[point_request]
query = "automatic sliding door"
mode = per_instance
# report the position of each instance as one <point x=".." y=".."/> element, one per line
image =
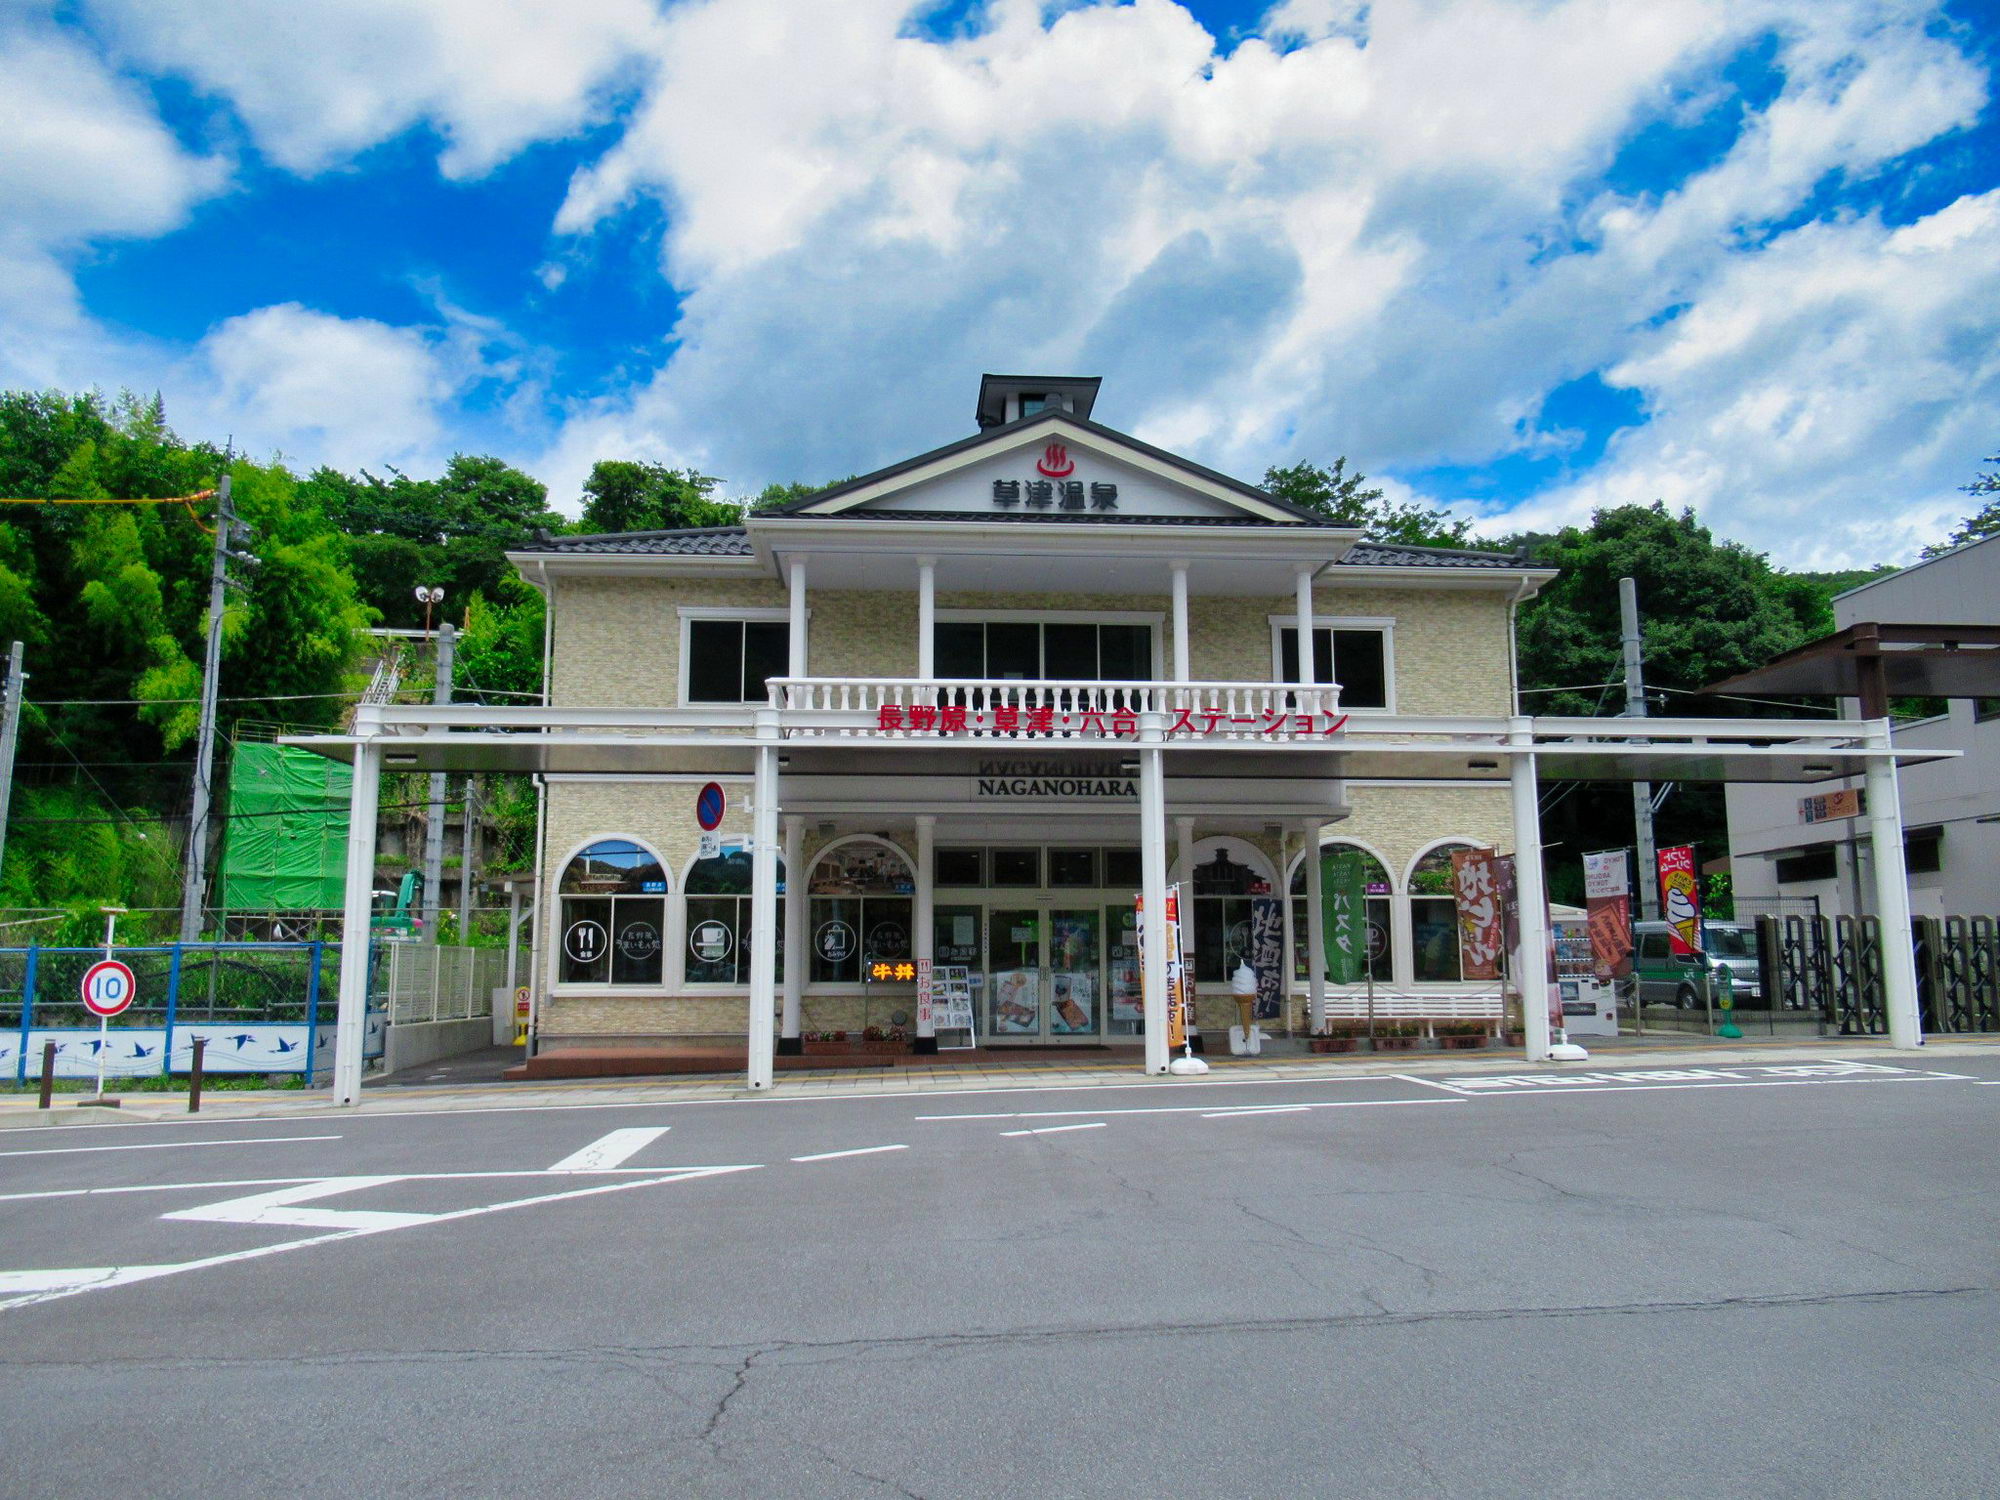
<point x="1014" y="957"/>
<point x="1075" y="1003"/>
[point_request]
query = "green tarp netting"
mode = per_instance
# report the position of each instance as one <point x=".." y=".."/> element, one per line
<point x="286" y="845"/>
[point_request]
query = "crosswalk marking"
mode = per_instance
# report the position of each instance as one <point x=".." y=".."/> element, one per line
<point x="611" y="1150"/>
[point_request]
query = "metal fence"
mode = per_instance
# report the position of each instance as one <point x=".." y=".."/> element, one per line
<point x="432" y="982"/>
<point x="257" y="1007"/>
<point x="1832" y="968"/>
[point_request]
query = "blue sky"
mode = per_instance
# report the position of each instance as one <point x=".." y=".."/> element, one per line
<point x="1522" y="259"/>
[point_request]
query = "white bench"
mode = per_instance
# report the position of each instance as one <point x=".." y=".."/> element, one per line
<point x="1483" y="1005"/>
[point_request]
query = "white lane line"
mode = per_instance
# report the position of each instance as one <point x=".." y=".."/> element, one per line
<point x="1990" y="1083"/>
<point x="1259" y="1109"/>
<point x="611" y="1150"/>
<point x="857" y="1151"/>
<point x="264" y="1140"/>
<point x="1577" y="1091"/>
<point x="1429" y="1083"/>
<point x="185" y="1187"/>
<point x="63" y="1283"/>
<point x="1193" y="1109"/>
<point x="1056" y="1129"/>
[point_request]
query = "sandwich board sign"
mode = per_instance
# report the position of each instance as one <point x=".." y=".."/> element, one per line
<point x="951" y="1004"/>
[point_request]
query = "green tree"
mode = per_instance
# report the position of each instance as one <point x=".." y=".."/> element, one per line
<point x="1348" y="498"/>
<point x="624" y="495"/>
<point x="1983" y="522"/>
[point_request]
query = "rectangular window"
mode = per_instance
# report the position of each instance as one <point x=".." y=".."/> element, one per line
<point x="718" y="940"/>
<point x="850" y="932"/>
<point x="1381" y="963"/>
<point x="959" y="867"/>
<point x="1048" y="651"/>
<point x="1984" y="709"/>
<point x="1434" y="939"/>
<point x="1923" y="851"/>
<point x="1016" y="867"/>
<point x="1808" y="865"/>
<point x="728" y="661"/>
<point x="1073" y="867"/>
<point x="1122" y="869"/>
<point x="1355" y="657"/>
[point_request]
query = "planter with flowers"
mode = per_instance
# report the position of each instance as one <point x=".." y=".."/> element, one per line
<point x="1397" y="1036"/>
<point x="1460" y="1035"/>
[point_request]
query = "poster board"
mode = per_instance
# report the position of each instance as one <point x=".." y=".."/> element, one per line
<point x="951" y="1005"/>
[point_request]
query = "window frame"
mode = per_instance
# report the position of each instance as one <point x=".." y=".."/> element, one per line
<point x="557" y="985"/>
<point x="809" y="982"/>
<point x="1153" y="620"/>
<point x="684" y="924"/>
<point x="1384" y="625"/>
<point x="1194" y="911"/>
<point x="741" y="613"/>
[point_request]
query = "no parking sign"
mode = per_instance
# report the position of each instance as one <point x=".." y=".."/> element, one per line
<point x="108" y="987"/>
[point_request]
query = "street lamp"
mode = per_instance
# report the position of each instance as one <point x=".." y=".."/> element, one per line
<point x="427" y="595"/>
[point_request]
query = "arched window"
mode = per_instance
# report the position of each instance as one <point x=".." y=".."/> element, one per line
<point x="614" y="902"/>
<point x="1381" y="924"/>
<point x="1434" y="917"/>
<point x="718" y="919"/>
<point x="1224" y="882"/>
<point x="860" y="890"/>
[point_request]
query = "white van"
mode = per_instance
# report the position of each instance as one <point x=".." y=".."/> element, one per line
<point x="1667" y="980"/>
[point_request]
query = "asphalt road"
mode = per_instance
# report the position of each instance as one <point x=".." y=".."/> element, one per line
<point x="1768" y="1280"/>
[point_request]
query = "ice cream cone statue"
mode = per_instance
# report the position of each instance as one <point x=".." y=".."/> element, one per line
<point x="1243" y="1039"/>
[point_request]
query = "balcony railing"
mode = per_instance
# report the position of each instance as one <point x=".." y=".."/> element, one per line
<point x="908" y="708"/>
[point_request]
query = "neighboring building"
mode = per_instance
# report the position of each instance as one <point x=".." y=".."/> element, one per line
<point x="1794" y="849"/>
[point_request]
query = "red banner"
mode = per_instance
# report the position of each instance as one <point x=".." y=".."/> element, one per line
<point x="1680" y="899"/>
<point x="1474" y="882"/>
<point x="1607" y="895"/>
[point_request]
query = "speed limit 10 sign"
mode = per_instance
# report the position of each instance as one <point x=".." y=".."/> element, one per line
<point x="108" y="987"/>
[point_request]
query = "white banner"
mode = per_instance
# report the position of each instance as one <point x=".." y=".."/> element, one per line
<point x="1606" y="874"/>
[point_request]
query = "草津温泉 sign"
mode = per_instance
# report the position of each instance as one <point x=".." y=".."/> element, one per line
<point x="1680" y="899"/>
<point x="1103" y="723"/>
<point x="1607" y="895"/>
<point x="1824" y="807"/>
<point x="1344" y="900"/>
<point x="1480" y="930"/>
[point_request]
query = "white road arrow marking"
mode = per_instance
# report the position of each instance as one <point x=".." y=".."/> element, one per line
<point x="276" y="1208"/>
<point x="262" y="1140"/>
<point x="611" y="1150"/>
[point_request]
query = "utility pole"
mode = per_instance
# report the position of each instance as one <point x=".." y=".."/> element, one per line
<point x="466" y="845"/>
<point x="228" y="531"/>
<point x="1646" y="876"/>
<point x="10" y="733"/>
<point x="434" y="828"/>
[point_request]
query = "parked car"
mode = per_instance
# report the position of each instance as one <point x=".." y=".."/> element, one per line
<point x="1665" y="979"/>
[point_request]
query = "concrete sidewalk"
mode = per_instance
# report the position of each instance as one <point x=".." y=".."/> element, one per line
<point x="19" y="1111"/>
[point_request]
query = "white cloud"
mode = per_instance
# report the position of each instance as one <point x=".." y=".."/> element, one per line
<point x="318" y="82"/>
<point x="347" y="391"/>
<point x="83" y="159"/>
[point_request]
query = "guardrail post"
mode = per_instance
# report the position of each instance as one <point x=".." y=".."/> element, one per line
<point x="48" y="1074"/>
<point x="194" y="1075"/>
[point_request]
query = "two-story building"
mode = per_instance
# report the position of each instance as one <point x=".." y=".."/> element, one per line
<point x="968" y="709"/>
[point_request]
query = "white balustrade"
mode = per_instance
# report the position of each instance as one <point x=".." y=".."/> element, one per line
<point x="909" y="708"/>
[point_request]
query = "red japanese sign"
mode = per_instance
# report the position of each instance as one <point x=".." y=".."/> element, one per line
<point x="1474" y="882"/>
<point x="1108" y="723"/>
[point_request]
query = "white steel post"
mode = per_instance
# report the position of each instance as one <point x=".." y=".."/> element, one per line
<point x="796" y="666"/>
<point x="1153" y="888"/>
<point x="1531" y="963"/>
<point x="1303" y="607"/>
<point x="351" y="1021"/>
<point x="1892" y="894"/>
<point x="1182" y="671"/>
<point x="926" y="618"/>
<point x="1316" y="930"/>
<point x="795" y="932"/>
<point x="763" y="908"/>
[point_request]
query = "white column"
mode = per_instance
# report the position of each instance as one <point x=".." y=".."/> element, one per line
<point x="921" y="909"/>
<point x="797" y="666"/>
<point x="795" y="931"/>
<point x="357" y="913"/>
<point x="1184" y="857"/>
<point x="1182" y="671"/>
<point x="1316" y="931"/>
<point x="927" y="618"/>
<point x="763" y="912"/>
<point x="1531" y="963"/>
<point x="1153" y="888"/>
<point x="1892" y="895"/>
<point x="1303" y="607"/>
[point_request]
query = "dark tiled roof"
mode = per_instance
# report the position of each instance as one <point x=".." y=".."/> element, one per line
<point x="1382" y="555"/>
<point x="704" y="541"/>
<point x="1076" y="518"/>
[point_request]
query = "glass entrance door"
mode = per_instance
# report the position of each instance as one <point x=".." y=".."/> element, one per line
<point x="1046" y="972"/>
<point x="1014" y="961"/>
<point x="1075" y="1003"/>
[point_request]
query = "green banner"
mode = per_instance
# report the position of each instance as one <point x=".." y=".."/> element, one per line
<point x="1344" y="896"/>
<point x="286" y="845"/>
